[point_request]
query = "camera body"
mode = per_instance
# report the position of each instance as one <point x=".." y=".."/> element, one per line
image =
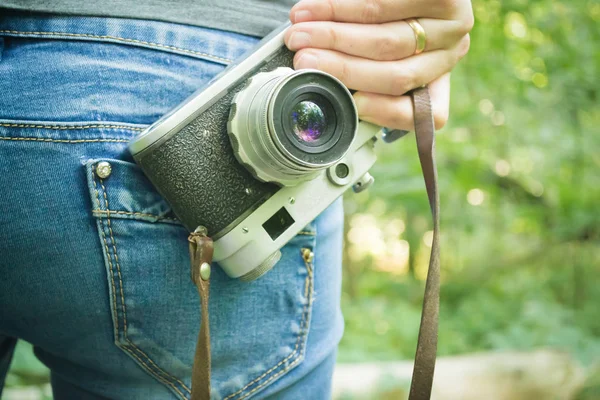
<point x="257" y="154"/>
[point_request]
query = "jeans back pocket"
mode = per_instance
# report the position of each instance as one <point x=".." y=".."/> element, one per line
<point x="259" y="329"/>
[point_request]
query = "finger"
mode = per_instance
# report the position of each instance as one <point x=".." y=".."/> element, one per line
<point x="396" y="112"/>
<point x="383" y="42"/>
<point x="373" y="11"/>
<point x="384" y="77"/>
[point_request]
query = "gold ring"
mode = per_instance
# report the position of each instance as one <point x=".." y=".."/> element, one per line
<point x="420" y="35"/>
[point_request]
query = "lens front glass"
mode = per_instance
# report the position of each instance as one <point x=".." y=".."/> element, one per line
<point x="312" y="119"/>
<point x="308" y="121"/>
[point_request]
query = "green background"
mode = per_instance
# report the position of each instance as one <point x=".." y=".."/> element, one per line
<point x="519" y="168"/>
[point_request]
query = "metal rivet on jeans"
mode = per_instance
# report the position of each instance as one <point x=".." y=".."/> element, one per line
<point x="103" y="169"/>
<point x="308" y="255"/>
<point x="205" y="271"/>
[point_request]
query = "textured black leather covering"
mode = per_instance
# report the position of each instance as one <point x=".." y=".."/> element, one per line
<point x="195" y="169"/>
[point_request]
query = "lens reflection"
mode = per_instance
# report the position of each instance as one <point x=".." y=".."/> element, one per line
<point x="308" y="121"/>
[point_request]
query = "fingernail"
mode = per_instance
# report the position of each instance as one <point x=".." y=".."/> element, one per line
<point x="299" y="40"/>
<point x="301" y="16"/>
<point x="307" y="60"/>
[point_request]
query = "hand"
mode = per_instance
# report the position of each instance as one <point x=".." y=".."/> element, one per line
<point x="370" y="48"/>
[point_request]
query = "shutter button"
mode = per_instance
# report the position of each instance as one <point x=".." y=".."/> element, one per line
<point x="103" y="169"/>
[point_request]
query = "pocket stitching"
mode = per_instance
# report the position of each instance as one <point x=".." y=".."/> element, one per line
<point x="131" y="344"/>
<point x="112" y="241"/>
<point x="125" y="347"/>
<point x="106" y="213"/>
<point x="306" y="233"/>
<point x="158" y="217"/>
<point x="109" y="259"/>
<point x="129" y="347"/>
<point x="309" y="289"/>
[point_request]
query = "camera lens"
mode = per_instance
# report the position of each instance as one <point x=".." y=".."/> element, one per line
<point x="286" y="126"/>
<point x="308" y="121"/>
<point x="312" y="119"/>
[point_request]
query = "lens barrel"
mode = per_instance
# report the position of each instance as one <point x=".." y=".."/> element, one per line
<point x="286" y="126"/>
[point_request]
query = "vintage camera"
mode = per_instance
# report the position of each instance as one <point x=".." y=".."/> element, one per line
<point x="257" y="154"/>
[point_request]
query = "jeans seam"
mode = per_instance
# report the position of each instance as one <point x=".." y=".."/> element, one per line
<point x="119" y="39"/>
<point x="71" y="127"/>
<point x="298" y="355"/>
<point x="109" y="259"/>
<point x="159" y="370"/>
<point x="130" y="347"/>
<point x="283" y="371"/>
<point x="32" y="139"/>
<point x="113" y="243"/>
<point x="306" y="233"/>
<point x="158" y="217"/>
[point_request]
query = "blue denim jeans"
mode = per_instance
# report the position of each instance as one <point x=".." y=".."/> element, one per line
<point x="95" y="272"/>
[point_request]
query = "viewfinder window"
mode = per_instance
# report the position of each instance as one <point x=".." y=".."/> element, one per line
<point x="278" y="223"/>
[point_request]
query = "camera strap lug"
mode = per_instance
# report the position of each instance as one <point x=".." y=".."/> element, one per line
<point x="201" y="254"/>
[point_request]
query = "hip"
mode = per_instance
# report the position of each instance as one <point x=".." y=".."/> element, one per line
<point x="75" y="91"/>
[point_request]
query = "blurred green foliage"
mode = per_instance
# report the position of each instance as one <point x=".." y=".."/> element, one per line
<point x="28" y="377"/>
<point x="519" y="168"/>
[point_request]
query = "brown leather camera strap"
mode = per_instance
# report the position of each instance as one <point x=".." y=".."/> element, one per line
<point x="422" y="379"/>
<point x="201" y="252"/>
